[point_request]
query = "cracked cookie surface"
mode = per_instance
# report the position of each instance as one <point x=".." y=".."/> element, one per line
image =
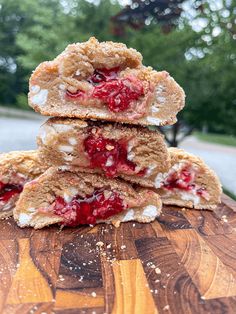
<point x="105" y="81"/>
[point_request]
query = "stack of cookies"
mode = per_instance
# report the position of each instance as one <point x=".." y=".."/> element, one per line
<point x="103" y="162"/>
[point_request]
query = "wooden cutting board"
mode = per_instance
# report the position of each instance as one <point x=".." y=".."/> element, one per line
<point x="183" y="263"/>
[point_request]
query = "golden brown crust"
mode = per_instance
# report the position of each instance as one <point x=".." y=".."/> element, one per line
<point x="205" y="178"/>
<point x="6" y="214"/>
<point x="70" y="69"/>
<point x="41" y="193"/>
<point x="24" y="162"/>
<point x="18" y="165"/>
<point x="61" y="142"/>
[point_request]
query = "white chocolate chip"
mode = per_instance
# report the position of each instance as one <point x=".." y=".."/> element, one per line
<point x="68" y="158"/>
<point x="150" y="170"/>
<point x="159" y="180"/>
<point x="150" y="211"/>
<point x="62" y="87"/>
<point x="35" y="89"/>
<point x="31" y="210"/>
<point x="154" y="121"/>
<point x="66" y="148"/>
<point x="130" y="154"/>
<point x="68" y="198"/>
<point x="187" y="196"/>
<point x="24" y="219"/>
<point x="73" y="190"/>
<point x="161" y="99"/>
<point x="155" y="109"/>
<point x="62" y="127"/>
<point x="40" y="98"/>
<point x="72" y="140"/>
<point x="159" y="89"/>
<point x="46" y="133"/>
<point x="129" y="215"/>
<point x="109" y="161"/>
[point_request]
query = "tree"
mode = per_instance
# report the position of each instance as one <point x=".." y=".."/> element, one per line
<point x="203" y="62"/>
<point x="212" y="71"/>
<point x="11" y="72"/>
<point x="56" y="26"/>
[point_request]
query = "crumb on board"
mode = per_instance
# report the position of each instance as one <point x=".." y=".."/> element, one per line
<point x="224" y="218"/>
<point x="100" y="243"/>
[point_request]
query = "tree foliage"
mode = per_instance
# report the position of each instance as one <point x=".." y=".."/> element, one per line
<point x="202" y="60"/>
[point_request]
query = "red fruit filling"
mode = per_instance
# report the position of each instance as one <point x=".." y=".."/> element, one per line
<point x="7" y="191"/>
<point x="103" y="75"/>
<point x="184" y="180"/>
<point x="116" y="92"/>
<point x="109" y="155"/>
<point x="83" y="211"/>
<point x="77" y="94"/>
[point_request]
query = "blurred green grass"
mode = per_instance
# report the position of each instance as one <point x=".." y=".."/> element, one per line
<point x="230" y="194"/>
<point x="228" y="140"/>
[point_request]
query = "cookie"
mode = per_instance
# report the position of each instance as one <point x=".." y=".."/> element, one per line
<point x="16" y="168"/>
<point x="105" y="81"/>
<point x="189" y="182"/>
<point x="133" y="153"/>
<point x="72" y="198"/>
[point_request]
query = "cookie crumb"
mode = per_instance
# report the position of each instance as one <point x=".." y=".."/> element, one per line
<point x="61" y="278"/>
<point x="100" y="243"/>
<point x="224" y="218"/>
<point x="157" y="270"/>
<point x="109" y="147"/>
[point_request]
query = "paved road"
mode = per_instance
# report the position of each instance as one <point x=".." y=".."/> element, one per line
<point x="19" y="134"/>
<point x="220" y="158"/>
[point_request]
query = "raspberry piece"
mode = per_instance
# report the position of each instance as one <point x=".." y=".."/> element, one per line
<point x="77" y="94"/>
<point x="103" y="75"/>
<point x="181" y="180"/>
<point x="184" y="180"/>
<point x="118" y="94"/>
<point x="83" y="211"/>
<point x="7" y="191"/>
<point x="109" y="155"/>
<point x="203" y="193"/>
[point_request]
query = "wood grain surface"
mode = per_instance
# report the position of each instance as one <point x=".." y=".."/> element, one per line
<point x="184" y="262"/>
